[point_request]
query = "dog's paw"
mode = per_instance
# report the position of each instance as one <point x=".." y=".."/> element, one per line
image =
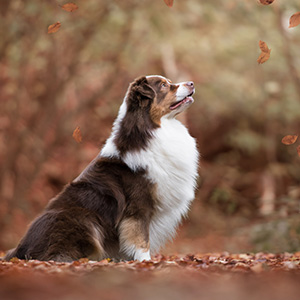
<point x="141" y="255"/>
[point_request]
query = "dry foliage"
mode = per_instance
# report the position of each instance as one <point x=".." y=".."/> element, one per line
<point x="294" y="20"/>
<point x="265" y="52"/>
<point x="69" y="7"/>
<point x="77" y="135"/>
<point x="266" y="2"/>
<point x="54" y="27"/>
<point x="289" y="139"/>
<point x="218" y="262"/>
<point x="169" y="2"/>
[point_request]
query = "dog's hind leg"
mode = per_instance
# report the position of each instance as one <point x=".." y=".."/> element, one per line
<point x="72" y="243"/>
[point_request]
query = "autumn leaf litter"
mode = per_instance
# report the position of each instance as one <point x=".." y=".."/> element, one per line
<point x="212" y="263"/>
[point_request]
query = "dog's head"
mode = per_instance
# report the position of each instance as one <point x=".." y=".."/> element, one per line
<point x="159" y="96"/>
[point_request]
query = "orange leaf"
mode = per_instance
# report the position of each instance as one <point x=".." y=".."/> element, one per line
<point x="298" y="150"/>
<point x="169" y="2"/>
<point x="14" y="260"/>
<point x="294" y="20"/>
<point x="54" y="27"/>
<point x="265" y="52"/>
<point x="289" y="139"/>
<point x="70" y="7"/>
<point x="263" y="46"/>
<point x="266" y="2"/>
<point x="77" y="135"/>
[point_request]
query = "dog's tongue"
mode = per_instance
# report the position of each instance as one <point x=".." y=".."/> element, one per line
<point x="177" y="104"/>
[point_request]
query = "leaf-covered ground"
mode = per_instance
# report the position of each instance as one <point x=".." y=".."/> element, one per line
<point x="207" y="276"/>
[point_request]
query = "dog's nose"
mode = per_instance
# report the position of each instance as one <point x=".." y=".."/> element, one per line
<point x="190" y="84"/>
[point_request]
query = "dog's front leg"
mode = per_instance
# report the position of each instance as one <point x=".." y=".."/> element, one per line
<point x="134" y="238"/>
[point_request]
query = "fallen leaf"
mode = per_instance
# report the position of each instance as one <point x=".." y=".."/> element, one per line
<point x="298" y="150"/>
<point x="241" y="266"/>
<point x="294" y="20"/>
<point x="290" y="265"/>
<point x="266" y="2"/>
<point x="289" y="139"/>
<point x="14" y="260"/>
<point x="169" y="2"/>
<point x="76" y="263"/>
<point x="77" y="135"/>
<point x="265" y="52"/>
<point x="105" y="261"/>
<point x="54" y="27"/>
<point x="70" y="7"/>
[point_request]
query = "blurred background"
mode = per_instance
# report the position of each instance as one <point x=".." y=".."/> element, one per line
<point x="248" y="197"/>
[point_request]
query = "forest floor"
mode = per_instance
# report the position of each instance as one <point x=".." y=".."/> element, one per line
<point x="200" y="276"/>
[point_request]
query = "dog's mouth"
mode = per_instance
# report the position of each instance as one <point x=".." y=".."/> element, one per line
<point x="187" y="100"/>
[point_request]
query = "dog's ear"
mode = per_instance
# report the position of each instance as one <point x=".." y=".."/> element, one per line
<point x="140" y="92"/>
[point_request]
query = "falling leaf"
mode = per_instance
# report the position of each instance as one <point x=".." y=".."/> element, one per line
<point x="265" y="52"/>
<point x="263" y="57"/>
<point x="70" y="7"/>
<point x="263" y="46"/>
<point x="294" y="20"/>
<point x="266" y="2"/>
<point x="169" y="2"/>
<point x="298" y="150"/>
<point x="77" y="135"/>
<point x="289" y="139"/>
<point x="54" y="27"/>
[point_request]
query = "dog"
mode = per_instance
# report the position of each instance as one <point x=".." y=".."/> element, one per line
<point x="130" y="199"/>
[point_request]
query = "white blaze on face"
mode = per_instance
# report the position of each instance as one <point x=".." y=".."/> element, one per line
<point x="159" y="76"/>
<point x="184" y="98"/>
<point x="183" y="91"/>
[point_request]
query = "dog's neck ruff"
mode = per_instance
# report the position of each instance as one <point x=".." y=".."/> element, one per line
<point x="171" y="162"/>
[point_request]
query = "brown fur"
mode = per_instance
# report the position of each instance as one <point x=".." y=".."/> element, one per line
<point x="165" y="96"/>
<point x="135" y="231"/>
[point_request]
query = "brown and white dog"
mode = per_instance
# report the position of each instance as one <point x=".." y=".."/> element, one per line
<point x="130" y="199"/>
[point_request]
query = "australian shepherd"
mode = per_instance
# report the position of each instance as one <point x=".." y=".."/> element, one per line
<point x="130" y="199"/>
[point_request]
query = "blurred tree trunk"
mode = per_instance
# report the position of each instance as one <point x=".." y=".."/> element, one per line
<point x="287" y="49"/>
<point x="268" y="196"/>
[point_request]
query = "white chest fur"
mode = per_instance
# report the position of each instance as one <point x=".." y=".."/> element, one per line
<point x="171" y="161"/>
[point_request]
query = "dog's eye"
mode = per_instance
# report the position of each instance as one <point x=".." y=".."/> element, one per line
<point x="164" y="85"/>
